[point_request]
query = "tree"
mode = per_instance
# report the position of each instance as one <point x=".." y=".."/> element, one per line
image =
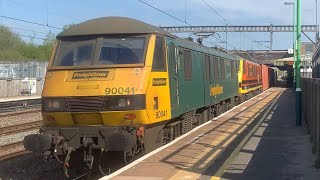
<point x="47" y="46"/>
<point x="8" y="39"/>
<point x="10" y="44"/>
<point x="13" y="48"/>
<point x="67" y="26"/>
<point x="49" y="39"/>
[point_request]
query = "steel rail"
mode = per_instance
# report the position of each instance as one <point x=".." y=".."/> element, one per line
<point x="12" y="150"/>
<point x="3" y="115"/>
<point x="18" y="128"/>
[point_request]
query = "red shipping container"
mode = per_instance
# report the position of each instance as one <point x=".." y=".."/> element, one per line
<point x="265" y="77"/>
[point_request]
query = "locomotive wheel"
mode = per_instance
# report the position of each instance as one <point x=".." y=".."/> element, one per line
<point x="218" y="110"/>
<point x="205" y="115"/>
<point x="224" y="107"/>
<point x="211" y="112"/>
<point x="232" y="102"/>
<point x="242" y="98"/>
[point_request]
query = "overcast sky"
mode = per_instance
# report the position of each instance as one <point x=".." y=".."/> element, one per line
<point x="244" y="12"/>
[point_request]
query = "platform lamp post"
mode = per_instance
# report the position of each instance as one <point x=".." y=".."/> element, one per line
<point x="294" y="38"/>
<point x="297" y="66"/>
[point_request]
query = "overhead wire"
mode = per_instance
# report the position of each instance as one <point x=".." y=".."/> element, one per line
<point x="43" y="10"/>
<point x="215" y="11"/>
<point x="22" y="35"/>
<point x="31" y="22"/>
<point x="164" y="12"/>
<point x="46" y="10"/>
<point x="174" y="17"/>
<point x="22" y="29"/>
<point x="228" y="22"/>
<point x="34" y="37"/>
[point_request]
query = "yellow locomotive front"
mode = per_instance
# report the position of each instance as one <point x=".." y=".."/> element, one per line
<point x="95" y="81"/>
<point x="99" y="91"/>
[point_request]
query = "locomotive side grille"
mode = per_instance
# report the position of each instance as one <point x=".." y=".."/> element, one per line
<point x="87" y="104"/>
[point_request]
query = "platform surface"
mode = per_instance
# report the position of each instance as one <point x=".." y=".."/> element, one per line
<point x="220" y="149"/>
<point x="278" y="149"/>
<point x="17" y="98"/>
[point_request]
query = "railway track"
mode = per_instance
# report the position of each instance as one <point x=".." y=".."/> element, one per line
<point x="16" y="148"/>
<point x="11" y="106"/>
<point x="11" y="150"/>
<point x="17" y="128"/>
<point x="3" y="115"/>
<point x="15" y="110"/>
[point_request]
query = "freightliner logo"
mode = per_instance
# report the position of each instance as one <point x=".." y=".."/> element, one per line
<point x="159" y="81"/>
<point x="90" y="74"/>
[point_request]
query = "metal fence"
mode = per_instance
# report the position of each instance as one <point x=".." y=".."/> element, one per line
<point x="35" y="69"/>
<point x="22" y="78"/>
<point x="311" y="112"/>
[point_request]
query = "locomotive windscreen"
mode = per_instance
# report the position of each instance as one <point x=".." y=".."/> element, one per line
<point x="111" y="51"/>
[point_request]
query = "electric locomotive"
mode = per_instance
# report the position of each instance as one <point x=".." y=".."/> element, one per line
<point x="250" y="79"/>
<point x="119" y="84"/>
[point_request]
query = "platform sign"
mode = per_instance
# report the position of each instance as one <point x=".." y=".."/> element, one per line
<point x="290" y="51"/>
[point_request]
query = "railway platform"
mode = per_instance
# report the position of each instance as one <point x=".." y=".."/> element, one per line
<point x="255" y="140"/>
<point x="10" y="104"/>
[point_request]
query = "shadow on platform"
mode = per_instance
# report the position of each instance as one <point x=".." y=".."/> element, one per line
<point x="277" y="150"/>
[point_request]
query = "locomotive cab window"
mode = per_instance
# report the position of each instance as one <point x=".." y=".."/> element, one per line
<point x="75" y="53"/>
<point x="159" y="63"/>
<point x="111" y="50"/>
<point x="126" y="50"/>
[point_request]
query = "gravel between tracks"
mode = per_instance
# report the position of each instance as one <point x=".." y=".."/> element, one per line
<point x="15" y="120"/>
<point x="30" y="166"/>
<point x="15" y="137"/>
<point x="19" y="119"/>
<point x="27" y="166"/>
<point x="20" y="111"/>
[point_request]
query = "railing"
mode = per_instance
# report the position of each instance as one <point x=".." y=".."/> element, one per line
<point x="30" y="69"/>
<point x="311" y="112"/>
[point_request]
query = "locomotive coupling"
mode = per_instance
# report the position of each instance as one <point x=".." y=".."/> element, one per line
<point x="37" y="142"/>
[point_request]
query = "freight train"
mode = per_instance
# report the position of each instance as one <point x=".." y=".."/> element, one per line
<point x="119" y="84"/>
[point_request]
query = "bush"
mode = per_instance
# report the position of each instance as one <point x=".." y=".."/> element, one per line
<point x="13" y="48"/>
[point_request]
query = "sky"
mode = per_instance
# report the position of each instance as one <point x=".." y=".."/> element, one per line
<point x="58" y="13"/>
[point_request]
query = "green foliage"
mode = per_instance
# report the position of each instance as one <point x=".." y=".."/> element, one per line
<point x="13" y="48"/>
<point x="67" y="26"/>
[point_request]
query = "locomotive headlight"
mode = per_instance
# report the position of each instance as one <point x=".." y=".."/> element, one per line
<point x="122" y="103"/>
<point x="53" y="104"/>
<point x="128" y="102"/>
<point x="125" y="102"/>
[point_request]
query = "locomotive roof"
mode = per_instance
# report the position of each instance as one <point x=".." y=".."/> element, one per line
<point x="124" y="25"/>
<point x="112" y="25"/>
